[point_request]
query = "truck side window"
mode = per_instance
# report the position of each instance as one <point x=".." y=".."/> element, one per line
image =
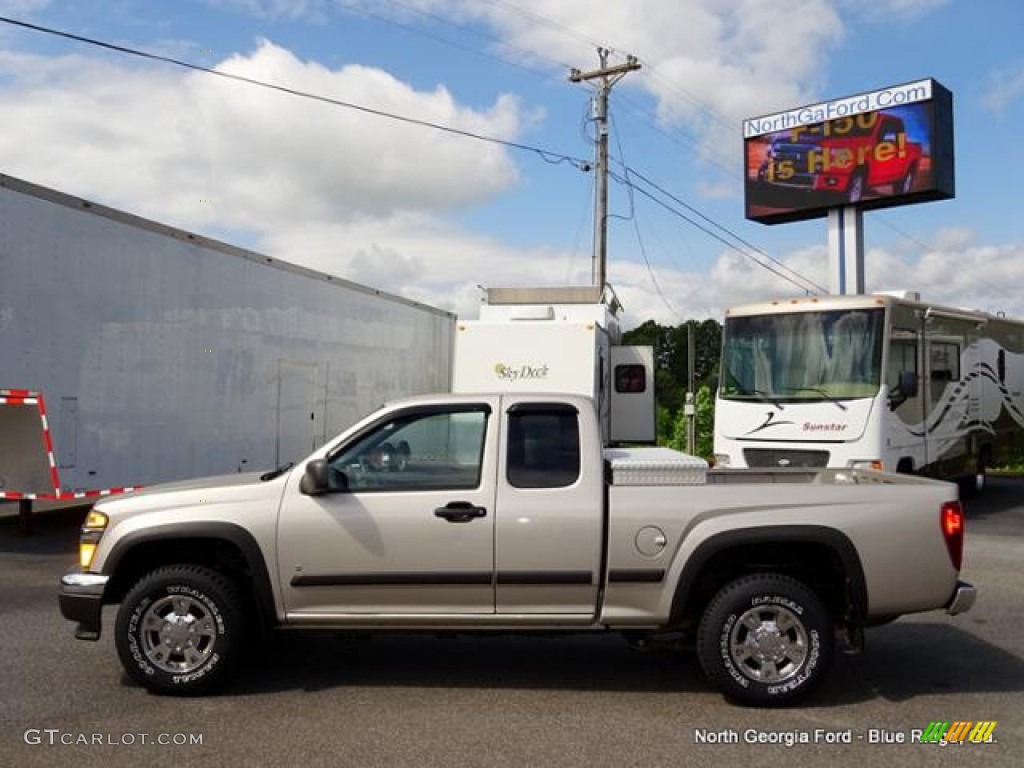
<point x="416" y="451"/>
<point x="543" y="447"/>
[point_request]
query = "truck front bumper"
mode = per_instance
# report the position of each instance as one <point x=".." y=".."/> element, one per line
<point x="962" y="600"/>
<point x="81" y="600"/>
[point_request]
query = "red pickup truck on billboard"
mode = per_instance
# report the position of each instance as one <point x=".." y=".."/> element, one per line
<point x="850" y="157"/>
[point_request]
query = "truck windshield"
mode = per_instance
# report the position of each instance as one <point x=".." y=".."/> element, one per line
<point x="802" y="356"/>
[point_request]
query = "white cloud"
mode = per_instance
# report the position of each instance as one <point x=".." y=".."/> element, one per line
<point x="309" y="10"/>
<point x="423" y="258"/>
<point x="19" y="9"/>
<point x="889" y="11"/>
<point x="195" y="150"/>
<point x="707" y="64"/>
<point x="376" y="201"/>
<point x="1004" y="87"/>
<point x="955" y="269"/>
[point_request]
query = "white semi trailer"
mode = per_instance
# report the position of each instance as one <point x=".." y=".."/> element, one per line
<point x="164" y="355"/>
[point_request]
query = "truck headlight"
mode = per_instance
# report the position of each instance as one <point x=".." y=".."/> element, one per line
<point x="721" y="460"/>
<point x="92" y="530"/>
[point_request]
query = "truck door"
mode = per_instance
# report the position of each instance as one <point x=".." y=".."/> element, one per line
<point x="548" y="535"/>
<point x="410" y="529"/>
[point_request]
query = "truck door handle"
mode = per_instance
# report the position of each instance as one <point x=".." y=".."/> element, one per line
<point x="460" y="511"/>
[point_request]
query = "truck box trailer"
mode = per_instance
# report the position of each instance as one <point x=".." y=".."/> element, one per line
<point x="163" y="354"/>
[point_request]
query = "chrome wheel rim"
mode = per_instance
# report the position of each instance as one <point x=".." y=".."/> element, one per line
<point x="769" y="644"/>
<point x="178" y="634"/>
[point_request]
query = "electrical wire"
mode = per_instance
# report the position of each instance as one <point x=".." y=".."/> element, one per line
<point x="814" y="287"/>
<point x="359" y="10"/>
<point x="626" y="180"/>
<point x="548" y="156"/>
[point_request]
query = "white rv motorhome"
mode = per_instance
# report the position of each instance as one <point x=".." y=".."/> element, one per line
<point x="559" y="340"/>
<point x="885" y="381"/>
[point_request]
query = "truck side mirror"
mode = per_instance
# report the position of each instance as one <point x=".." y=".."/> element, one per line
<point x="314" y="480"/>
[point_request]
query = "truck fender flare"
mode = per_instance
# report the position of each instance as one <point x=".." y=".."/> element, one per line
<point x="230" y="532"/>
<point x="835" y="540"/>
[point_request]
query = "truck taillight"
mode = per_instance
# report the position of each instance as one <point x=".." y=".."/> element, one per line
<point x="953" y="531"/>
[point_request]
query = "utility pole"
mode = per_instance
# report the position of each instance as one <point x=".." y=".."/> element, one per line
<point x="689" y="405"/>
<point x="606" y="77"/>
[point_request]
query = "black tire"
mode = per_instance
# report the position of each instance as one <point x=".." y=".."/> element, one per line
<point x="180" y="630"/>
<point x="972" y="486"/>
<point x="749" y="657"/>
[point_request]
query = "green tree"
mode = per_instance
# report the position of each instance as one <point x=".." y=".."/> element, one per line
<point x="705" y="404"/>
<point x="671" y="365"/>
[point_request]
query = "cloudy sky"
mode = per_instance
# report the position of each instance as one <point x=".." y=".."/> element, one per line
<point x="431" y="214"/>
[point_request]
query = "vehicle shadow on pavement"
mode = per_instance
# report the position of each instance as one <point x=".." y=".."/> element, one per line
<point x="599" y="662"/>
<point x="52" y="532"/>
<point x="903" y="661"/>
<point x="908" y="659"/>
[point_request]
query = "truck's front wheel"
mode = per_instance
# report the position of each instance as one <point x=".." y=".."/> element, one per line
<point x="179" y="629"/>
<point x="765" y="640"/>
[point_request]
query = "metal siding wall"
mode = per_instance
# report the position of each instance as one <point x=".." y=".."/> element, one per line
<point x="173" y="348"/>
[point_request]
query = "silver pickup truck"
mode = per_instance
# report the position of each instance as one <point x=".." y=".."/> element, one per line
<point x="477" y="513"/>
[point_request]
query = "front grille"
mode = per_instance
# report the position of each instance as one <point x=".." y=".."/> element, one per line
<point x="772" y="457"/>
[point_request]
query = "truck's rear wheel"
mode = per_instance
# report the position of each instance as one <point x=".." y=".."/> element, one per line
<point x="179" y="629"/>
<point x="765" y="640"/>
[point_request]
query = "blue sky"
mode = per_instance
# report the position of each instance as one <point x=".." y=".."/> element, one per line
<point x="431" y="216"/>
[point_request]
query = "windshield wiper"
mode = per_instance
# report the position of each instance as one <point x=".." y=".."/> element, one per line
<point x="824" y="395"/>
<point x="743" y="392"/>
<point x="276" y="472"/>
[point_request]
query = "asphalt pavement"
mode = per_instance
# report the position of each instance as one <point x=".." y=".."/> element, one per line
<point x="560" y="701"/>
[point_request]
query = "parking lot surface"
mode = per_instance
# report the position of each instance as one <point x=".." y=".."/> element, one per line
<point x="560" y="701"/>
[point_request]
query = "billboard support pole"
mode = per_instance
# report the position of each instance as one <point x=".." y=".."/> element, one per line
<point x="846" y="250"/>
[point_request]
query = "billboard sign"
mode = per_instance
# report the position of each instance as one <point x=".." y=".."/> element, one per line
<point x="873" y="150"/>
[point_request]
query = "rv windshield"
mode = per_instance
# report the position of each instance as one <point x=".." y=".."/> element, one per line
<point x="803" y="356"/>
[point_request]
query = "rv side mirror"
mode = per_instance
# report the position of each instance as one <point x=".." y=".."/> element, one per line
<point x="905" y="388"/>
<point x="908" y="384"/>
<point x="314" y="479"/>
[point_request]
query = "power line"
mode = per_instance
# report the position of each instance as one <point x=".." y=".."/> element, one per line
<point x="639" y="237"/>
<point x="364" y="12"/>
<point x="714" y="235"/>
<point x="543" y="21"/>
<point x="705" y="108"/>
<point x="816" y="288"/>
<point x="546" y="155"/>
